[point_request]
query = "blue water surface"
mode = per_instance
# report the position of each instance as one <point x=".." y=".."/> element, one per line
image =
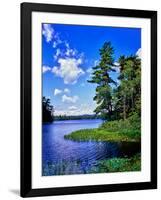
<point x="61" y="156"/>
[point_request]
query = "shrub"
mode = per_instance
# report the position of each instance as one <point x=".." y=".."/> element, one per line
<point x="131" y="126"/>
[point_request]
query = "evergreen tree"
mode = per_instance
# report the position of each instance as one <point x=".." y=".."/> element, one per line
<point x="128" y="93"/>
<point x="102" y="78"/>
<point x="48" y="110"/>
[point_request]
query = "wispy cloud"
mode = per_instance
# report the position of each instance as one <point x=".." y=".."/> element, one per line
<point x="89" y="70"/>
<point x="57" y="40"/>
<point x="66" y="90"/>
<point x="48" y="32"/>
<point x="57" y="92"/>
<point x="96" y="62"/>
<point x="50" y="35"/>
<point x="69" y="99"/>
<point x="66" y="51"/>
<point x="69" y="51"/>
<point x="57" y="54"/>
<point x="69" y="69"/>
<point x="72" y="108"/>
<point x="68" y="59"/>
<point x="46" y="69"/>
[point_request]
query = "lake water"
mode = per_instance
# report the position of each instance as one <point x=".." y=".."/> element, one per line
<point x="61" y="156"/>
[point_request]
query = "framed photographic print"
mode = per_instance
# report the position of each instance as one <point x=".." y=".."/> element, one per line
<point x="88" y="99"/>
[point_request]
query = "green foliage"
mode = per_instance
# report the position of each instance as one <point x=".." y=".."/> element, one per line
<point x="117" y="101"/>
<point x="99" y="135"/>
<point x="128" y="93"/>
<point x="101" y="77"/>
<point x="130" y="127"/>
<point x="117" y="130"/>
<point x="118" y="165"/>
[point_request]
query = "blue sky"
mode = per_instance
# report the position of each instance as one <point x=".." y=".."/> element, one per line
<point x="68" y="54"/>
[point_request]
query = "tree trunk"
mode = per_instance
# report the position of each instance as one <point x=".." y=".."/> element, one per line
<point x="124" y="107"/>
<point x="132" y="99"/>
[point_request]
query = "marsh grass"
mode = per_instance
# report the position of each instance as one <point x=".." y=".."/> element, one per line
<point x="61" y="168"/>
<point x="118" y="165"/>
<point x="115" y="131"/>
<point x="99" y="135"/>
<point x="102" y="166"/>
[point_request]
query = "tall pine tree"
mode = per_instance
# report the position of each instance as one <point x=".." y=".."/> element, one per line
<point x="128" y="93"/>
<point x="101" y="77"/>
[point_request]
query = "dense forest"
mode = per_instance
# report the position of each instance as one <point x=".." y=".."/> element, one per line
<point x="121" y="98"/>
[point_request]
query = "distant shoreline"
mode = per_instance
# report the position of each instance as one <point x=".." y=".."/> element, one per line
<point x="76" y="117"/>
<point x="56" y="120"/>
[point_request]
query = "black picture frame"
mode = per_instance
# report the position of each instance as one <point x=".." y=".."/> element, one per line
<point x="26" y="104"/>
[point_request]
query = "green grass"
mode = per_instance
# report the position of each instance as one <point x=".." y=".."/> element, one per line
<point x="130" y="127"/>
<point x="115" y="131"/>
<point x="118" y="165"/>
<point x="99" y="135"/>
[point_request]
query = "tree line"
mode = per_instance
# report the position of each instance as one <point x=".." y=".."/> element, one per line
<point x="76" y="117"/>
<point x="47" y="110"/>
<point x="120" y="98"/>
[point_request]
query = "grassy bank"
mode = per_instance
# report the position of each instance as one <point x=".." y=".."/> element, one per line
<point x="122" y="130"/>
<point x="118" y="165"/>
<point x="99" y="135"/>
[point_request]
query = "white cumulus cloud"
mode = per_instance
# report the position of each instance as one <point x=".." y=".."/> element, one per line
<point x="57" y="91"/>
<point x="69" y="99"/>
<point x="66" y="90"/>
<point x="48" y="32"/>
<point x="46" y="68"/>
<point x="68" y="69"/>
